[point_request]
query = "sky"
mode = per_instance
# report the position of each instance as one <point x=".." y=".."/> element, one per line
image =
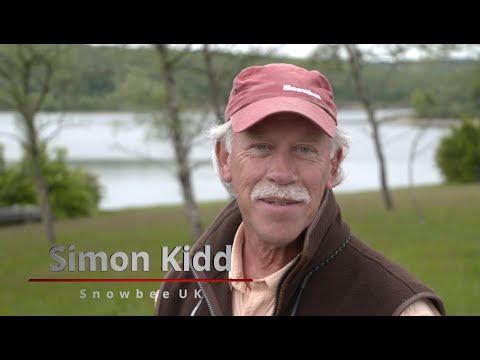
<point x="293" y="50"/>
<point x="304" y="50"/>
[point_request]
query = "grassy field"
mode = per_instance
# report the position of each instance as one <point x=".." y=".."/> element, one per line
<point x="443" y="251"/>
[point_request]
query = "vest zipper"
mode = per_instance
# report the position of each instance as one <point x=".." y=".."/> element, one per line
<point x="307" y="277"/>
<point x="204" y="293"/>
<point x="277" y="287"/>
<point x="194" y="311"/>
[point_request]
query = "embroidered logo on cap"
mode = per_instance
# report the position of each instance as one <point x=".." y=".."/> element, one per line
<point x="305" y="91"/>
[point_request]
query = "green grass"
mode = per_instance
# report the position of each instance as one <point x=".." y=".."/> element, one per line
<point x="443" y="250"/>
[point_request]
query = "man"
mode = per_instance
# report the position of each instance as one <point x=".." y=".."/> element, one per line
<point x="279" y="153"/>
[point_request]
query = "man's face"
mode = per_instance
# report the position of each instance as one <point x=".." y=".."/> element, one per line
<point x="280" y="152"/>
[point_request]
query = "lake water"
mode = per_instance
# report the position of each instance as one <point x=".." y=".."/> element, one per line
<point x="92" y="139"/>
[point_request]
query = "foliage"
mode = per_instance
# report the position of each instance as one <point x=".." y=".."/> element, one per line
<point x="140" y="91"/>
<point x="100" y="76"/>
<point x="423" y="103"/>
<point x="458" y="154"/>
<point x="32" y="76"/>
<point x="72" y="191"/>
<point x="16" y="186"/>
<point x="453" y="90"/>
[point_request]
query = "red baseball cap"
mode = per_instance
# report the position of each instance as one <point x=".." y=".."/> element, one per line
<point x="261" y="91"/>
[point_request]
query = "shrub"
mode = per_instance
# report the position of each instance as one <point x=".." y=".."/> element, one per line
<point x="72" y="192"/>
<point x="458" y="154"/>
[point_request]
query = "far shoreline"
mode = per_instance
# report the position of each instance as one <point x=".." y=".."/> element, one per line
<point x="422" y="122"/>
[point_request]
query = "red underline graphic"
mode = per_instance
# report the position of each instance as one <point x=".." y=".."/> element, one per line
<point x="139" y="280"/>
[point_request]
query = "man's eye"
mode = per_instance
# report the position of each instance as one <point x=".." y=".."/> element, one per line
<point x="304" y="149"/>
<point x="260" y="146"/>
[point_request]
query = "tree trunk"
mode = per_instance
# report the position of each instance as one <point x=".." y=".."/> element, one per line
<point x="355" y="67"/>
<point x="180" y="145"/>
<point x="40" y="183"/>
<point x="214" y="88"/>
<point x="387" y="199"/>
<point x="411" y="182"/>
<point x="191" y="209"/>
<point x="42" y="192"/>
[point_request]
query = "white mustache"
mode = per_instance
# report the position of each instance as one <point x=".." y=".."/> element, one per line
<point x="288" y="192"/>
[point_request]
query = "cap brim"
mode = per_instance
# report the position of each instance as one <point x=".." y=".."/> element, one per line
<point x="259" y="110"/>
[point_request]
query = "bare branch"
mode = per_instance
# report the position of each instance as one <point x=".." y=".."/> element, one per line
<point x="46" y="123"/>
<point x="200" y="140"/>
<point x="395" y="53"/>
<point x="196" y="164"/>
<point x="396" y="137"/>
<point x="15" y="98"/>
<point x="7" y="96"/>
<point x="3" y="70"/>
<point x="45" y="87"/>
<point x="26" y="68"/>
<point x="135" y="153"/>
<point x="200" y="125"/>
<point x="181" y="53"/>
<point x="56" y="131"/>
<point x="19" y="49"/>
<point x="355" y="59"/>
<point x="426" y="146"/>
<point x="213" y="83"/>
<point x="411" y="161"/>
<point x="12" y="136"/>
<point x="12" y="90"/>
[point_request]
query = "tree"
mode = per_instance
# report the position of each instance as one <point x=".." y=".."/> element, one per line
<point x="356" y="59"/>
<point x="183" y="128"/>
<point x="163" y="107"/>
<point x="28" y="73"/>
<point x="414" y="151"/>
<point x="181" y="132"/>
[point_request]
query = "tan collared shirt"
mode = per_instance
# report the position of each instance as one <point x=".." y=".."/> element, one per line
<point x="258" y="297"/>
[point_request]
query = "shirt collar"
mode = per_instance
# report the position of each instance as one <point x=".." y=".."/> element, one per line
<point x="236" y="271"/>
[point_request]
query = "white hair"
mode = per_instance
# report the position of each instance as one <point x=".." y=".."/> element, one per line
<point x="224" y="134"/>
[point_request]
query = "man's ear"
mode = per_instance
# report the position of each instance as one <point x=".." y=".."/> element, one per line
<point x="223" y="161"/>
<point x="335" y="168"/>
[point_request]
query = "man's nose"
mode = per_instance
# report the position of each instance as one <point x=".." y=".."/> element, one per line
<point x="282" y="169"/>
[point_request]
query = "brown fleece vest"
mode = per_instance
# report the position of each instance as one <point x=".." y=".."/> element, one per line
<point x="336" y="274"/>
